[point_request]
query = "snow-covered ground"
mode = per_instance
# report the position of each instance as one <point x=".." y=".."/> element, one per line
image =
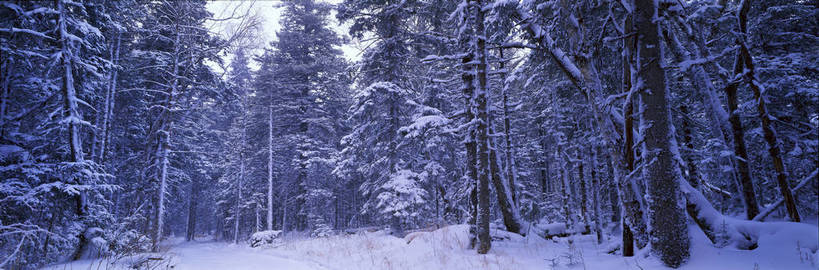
<point x="792" y="246"/>
<point x="446" y="249"/>
<point x="206" y="255"/>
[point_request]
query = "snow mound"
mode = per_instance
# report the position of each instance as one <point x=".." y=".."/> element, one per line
<point x="265" y="238"/>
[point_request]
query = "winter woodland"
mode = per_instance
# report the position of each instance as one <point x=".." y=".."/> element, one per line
<point x="460" y="134"/>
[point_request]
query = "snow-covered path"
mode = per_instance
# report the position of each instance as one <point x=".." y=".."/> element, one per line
<point x="208" y="255"/>
<point x="214" y="255"/>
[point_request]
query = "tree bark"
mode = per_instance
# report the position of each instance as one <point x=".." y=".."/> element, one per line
<point x="511" y="216"/>
<point x="595" y="186"/>
<point x="509" y="158"/>
<point x="745" y="184"/>
<point x="270" y="168"/>
<point x="481" y="101"/>
<point x="693" y="178"/>
<point x="468" y="90"/>
<point x="73" y="119"/>
<point x="631" y="204"/>
<point x="190" y="232"/>
<point x="669" y="232"/>
<point x="584" y="196"/>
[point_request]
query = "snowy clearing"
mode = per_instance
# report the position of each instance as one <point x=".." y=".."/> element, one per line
<point x="447" y="248"/>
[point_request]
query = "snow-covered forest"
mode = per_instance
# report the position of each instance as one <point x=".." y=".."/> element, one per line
<point x="459" y="134"/>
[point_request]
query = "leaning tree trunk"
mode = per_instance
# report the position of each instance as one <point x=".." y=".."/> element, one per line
<point x="719" y="120"/>
<point x="509" y="211"/>
<point x="745" y="184"/>
<point x="769" y="134"/>
<point x="584" y="76"/>
<point x="669" y="232"/>
<point x="509" y="157"/>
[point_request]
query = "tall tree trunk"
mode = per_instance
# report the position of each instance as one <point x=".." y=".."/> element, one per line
<point x="667" y="220"/>
<point x="164" y="151"/>
<point x="110" y="102"/>
<point x="595" y="185"/>
<point x="468" y="91"/>
<point x="240" y="181"/>
<point x="164" y="142"/>
<point x="584" y="195"/>
<point x="565" y="188"/>
<point x="190" y="232"/>
<point x="631" y="204"/>
<point x="481" y="100"/>
<point x="72" y="118"/>
<point x="545" y="183"/>
<point x="270" y="168"/>
<point x="509" y="158"/>
<point x="614" y="196"/>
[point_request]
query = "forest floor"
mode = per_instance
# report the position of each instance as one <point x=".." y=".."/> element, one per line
<point x="794" y="246"/>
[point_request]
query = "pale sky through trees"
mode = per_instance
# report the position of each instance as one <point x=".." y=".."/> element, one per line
<point x="270" y="12"/>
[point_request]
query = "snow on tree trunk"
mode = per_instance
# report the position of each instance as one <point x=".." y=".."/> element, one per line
<point x="509" y="211"/>
<point x="584" y="195"/>
<point x="509" y="159"/>
<point x="468" y="92"/>
<point x="71" y="117"/>
<point x="110" y="98"/>
<point x="633" y="217"/>
<point x="190" y="231"/>
<point x="270" y="169"/>
<point x="585" y="77"/>
<point x="668" y="229"/>
<point x="241" y="179"/>
<point x="482" y="130"/>
<point x="598" y="220"/>
<point x="163" y="149"/>
<point x="719" y="124"/>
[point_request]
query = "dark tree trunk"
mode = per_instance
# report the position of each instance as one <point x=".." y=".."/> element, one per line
<point x="468" y="89"/>
<point x="765" y="118"/>
<point x="693" y="179"/>
<point x="545" y="184"/>
<point x="482" y="131"/>
<point x="669" y="232"/>
<point x="745" y="184"/>
<point x="629" y="202"/>
<point x="190" y="232"/>
<point x="511" y="217"/>
<point x="584" y="197"/>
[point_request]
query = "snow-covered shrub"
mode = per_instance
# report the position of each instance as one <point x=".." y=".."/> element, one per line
<point x="97" y="245"/>
<point x="129" y="242"/>
<point x="401" y="197"/>
<point x="265" y="238"/>
<point x="321" y="230"/>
